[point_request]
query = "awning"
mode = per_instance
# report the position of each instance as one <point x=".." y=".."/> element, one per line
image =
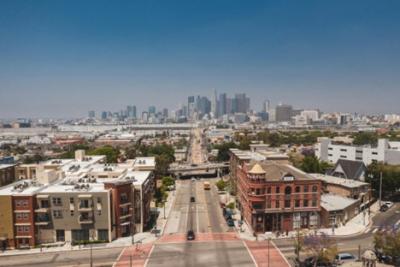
<point x="42" y="196"/>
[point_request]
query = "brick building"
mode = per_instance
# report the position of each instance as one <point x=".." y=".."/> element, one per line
<point x="275" y="196"/>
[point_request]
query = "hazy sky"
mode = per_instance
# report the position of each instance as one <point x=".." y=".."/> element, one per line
<point x="63" y="58"/>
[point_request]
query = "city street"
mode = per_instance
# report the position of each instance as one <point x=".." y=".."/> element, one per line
<point x="101" y="257"/>
<point x="383" y="221"/>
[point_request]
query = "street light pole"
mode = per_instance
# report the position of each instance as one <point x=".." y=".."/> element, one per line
<point x="268" y="251"/>
<point x="380" y="190"/>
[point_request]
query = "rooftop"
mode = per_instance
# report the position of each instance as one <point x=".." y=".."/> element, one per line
<point x="5" y="166"/>
<point x="349" y="183"/>
<point x="279" y="171"/>
<point x="331" y="202"/>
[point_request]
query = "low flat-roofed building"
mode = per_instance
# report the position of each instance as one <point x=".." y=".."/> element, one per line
<point x="337" y="210"/>
<point x="358" y="190"/>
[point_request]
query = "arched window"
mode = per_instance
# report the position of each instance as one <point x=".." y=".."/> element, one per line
<point x="314" y="188"/>
<point x="288" y="190"/>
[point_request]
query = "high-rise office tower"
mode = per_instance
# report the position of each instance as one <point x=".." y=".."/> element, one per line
<point x="104" y="115"/>
<point x="91" y="114"/>
<point x="241" y="103"/>
<point x="222" y="104"/>
<point x="283" y="113"/>
<point x="152" y="110"/>
<point x="165" y="113"/>
<point x="266" y="104"/>
<point x="214" y="104"/>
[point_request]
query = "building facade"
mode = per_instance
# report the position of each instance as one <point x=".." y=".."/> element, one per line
<point x="276" y="197"/>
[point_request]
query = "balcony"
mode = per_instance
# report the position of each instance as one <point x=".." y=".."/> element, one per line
<point x="85" y="208"/>
<point x="42" y="210"/>
<point x="125" y="203"/>
<point x="42" y="220"/>
<point x="85" y="219"/>
<point x="124" y="216"/>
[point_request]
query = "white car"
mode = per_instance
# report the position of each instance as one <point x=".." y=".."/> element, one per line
<point x="389" y="204"/>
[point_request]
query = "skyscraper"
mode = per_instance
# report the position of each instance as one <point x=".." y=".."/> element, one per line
<point x="104" y="115"/>
<point x="222" y="104"/>
<point x="241" y="103"/>
<point x="214" y="104"/>
<point x="152" y="110"/>
<point x="283" y="113"/>
<point x="91" y="114"/>
<point x="266" y="106"/>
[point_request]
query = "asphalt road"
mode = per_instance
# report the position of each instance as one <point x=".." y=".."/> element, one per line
<point x="383" y="220"/>
<point x="101" y="257"/>
<point x="203" y="215"/>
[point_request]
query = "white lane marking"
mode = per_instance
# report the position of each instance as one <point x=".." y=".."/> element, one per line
<point x="288" y="264"/>
<point x="197" y="220"/>
<point x="251" y="255"/>
<point x="119" y="256"/>
<point x="375" y="230"/>
<point x="148" y="257"/>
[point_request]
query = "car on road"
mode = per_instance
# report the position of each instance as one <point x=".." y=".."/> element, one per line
<point x="192" y="199"/>
<point x="344" y="257"/>
<point x="310" y="262"/>
<point x="388" y="203"/>
<point x="190" y="235"/>
<point x="193" y="179"/>
<point x="230" y="223"/>
<point x="384" y="208"/>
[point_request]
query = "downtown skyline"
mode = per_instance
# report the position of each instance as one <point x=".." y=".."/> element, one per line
<point x="61" y="59"/>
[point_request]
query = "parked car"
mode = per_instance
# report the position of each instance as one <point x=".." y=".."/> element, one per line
<point x="344" y="257"/>
<point x="190" y="235"/>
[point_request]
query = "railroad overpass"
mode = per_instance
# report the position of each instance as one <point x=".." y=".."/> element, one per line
<point x="204" y="169"/>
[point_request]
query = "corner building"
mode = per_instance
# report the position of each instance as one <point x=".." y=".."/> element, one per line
<point x="277" y="197"/>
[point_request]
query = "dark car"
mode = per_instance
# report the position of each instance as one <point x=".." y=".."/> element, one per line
<point x="190" y="235"/>
<point x="310" y="262"/>
<point x="192" y="199"/>
<point x="230" y="223"/>
<point x="384" y="208"/>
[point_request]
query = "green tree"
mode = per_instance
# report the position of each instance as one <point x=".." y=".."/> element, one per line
<point x="365" y="138"/>
<point x="168" y="181"/>
<point x="110" y="152"/>
<point x="221" y="184"/>
<point x="223" y="150"/>
<point x="388" y="243"/>
<point x="311" y="164"/>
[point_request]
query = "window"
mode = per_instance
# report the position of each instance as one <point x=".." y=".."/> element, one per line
<point x="71" y="200"/>
<point x="268" y="203"/>
<point x="305" y="203"/>
<point x="288" y="192"/>
<point x="297" y="190"/>
<point x="314" y="188"/>
<point x="276" y="203"/>
<point x="314" y="202"/>
<point x="22" y="216"/>
<point x="374" y="153"/>
<point x="343" y="150"/>
<point x="297" y="203"/>
<point x="99" y="200"/>
<point x="269" y="190"/>
<point x="56" y="201"/>
<point x="123" y="198"/>
<point x="57" y="214"/>
<point x="26" y="229"/>
<point x="343" y="156"/>
<point x="103" y="234"/>
<point x="305" y="188"/>
<point x="257" y="206"/>
<point x="60" y="235"/>
<point x="99" y="212"/>
<point x="72" y="213"/>
<point x="277" y="190"/>
<point x="21" y="203"/>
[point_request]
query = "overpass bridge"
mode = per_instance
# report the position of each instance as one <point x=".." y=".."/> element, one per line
<point x="203" y="169"/>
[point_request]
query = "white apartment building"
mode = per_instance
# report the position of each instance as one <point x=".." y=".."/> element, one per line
<point x="385" y="151"/>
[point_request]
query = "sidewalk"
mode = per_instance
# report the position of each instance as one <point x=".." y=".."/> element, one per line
<point x="139" y="238"/>
<point x="355" y="226"/>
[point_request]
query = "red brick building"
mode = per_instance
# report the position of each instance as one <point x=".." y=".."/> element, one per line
<point x="277" y="197"/>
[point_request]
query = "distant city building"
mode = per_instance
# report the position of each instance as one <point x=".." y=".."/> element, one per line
<point x="386" y="152"/>
<point x="152" y="110"/>
<point x="104" y="115"/>
<point x="266" y="106"/>
<point x="92" y="114"/>
<point x="283" y="113"/>
<point x="240" y="104"/>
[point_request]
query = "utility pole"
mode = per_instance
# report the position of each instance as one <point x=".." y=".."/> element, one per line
<point x="380" y="190"/>
<point x="268" y="250"/>
<point x="91" y="255"/>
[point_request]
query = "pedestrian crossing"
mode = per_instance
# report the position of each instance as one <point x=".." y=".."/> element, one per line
<point x="383" y="229"/>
